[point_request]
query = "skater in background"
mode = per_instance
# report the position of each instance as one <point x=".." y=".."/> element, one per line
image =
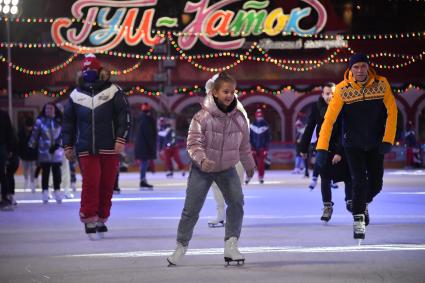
<point x="218" y="138"/>
<point x="97" y="123"/>
<point x="27" y="154"/>
<point x="335" y="168"/>
<point x="260" y="140"/>
<point x="47" y="138"/>
<point x="145" y="145"/>
<point x="410" y="142"/>
<point x="167" y="145"/>
<point x="65" y="169"/>
<point x="300" y="162"/>
<point x="369" y="118"/>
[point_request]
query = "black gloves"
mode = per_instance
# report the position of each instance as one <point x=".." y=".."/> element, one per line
<point x="384" y="147"/>
<point x="321" y="157"/>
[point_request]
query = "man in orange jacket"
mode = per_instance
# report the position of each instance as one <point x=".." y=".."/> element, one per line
<point x="369" y="118"/>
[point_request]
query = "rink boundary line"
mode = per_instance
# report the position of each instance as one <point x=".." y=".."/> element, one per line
<point x="262" y="250"/>
<point x="307" y="216"/>
<point x="116" y="199"/>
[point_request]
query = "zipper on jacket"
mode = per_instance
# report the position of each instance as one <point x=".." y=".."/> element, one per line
<point x="224" y="137"/>
<point x="92" y="122"/>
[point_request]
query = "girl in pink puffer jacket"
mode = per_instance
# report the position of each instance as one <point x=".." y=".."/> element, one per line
<point x="218" y="139"/>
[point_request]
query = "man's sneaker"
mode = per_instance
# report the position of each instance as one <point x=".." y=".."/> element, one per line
<point x="144" y="186"/>
<point x="327" y="211"/>
<point x="177" y="255"/>
<point x="231" y="251"/>
<point x="313" y="183"/>
<point x="349" y="205"/>
<point x="366" y="215"/>
<point x="359" y="227"/>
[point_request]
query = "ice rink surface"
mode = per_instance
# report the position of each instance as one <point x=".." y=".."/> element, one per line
<point x="282" y="237"/>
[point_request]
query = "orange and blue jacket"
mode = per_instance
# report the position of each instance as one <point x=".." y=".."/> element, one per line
<point x="369" y="113"/>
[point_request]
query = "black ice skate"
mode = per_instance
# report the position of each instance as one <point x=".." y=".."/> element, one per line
<point x="232" y="253"/>
<point x="359" y="227"/>
<point x="144" y="186"/>
<point x="169" y="174"/>
<point x="327" y="212"/>
<point x="90" y="230"/>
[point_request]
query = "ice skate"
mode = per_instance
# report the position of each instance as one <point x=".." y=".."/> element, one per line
<point x="327" y="212"/>
<point x="177" y="254"/>
<point x="74" y="186"/>
<point x="101" y="229"/>
<point x="232" y="253"/>
<point x="219" y="220"/>
<point x="90" y="229"/>
<point x="45" y="196"/>
<point x="69" y="195"/>
<point x="144" y="186"/>
<point x="169" y="174"/>
<point x="58" y="197"/>
<point x="366" y="215"/>
<point x="313" y="183"/>
<point x="247" y="179"/>
<point x="359" y="227"/>
<point x="32" y="186"/>
<point x="261" y="181"/>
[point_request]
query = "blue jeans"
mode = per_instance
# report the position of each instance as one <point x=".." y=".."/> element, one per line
<point x="197" y="189"/>
<point x="143" y="168"/>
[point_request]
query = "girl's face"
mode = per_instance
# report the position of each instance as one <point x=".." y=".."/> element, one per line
<point x="225" y="93"/>
<point x="49" y="111"/>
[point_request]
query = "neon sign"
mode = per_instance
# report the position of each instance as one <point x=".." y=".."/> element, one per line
<point x="213" y="25"/>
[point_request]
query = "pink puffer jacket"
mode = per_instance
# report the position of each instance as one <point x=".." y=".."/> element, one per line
<point x="221" y="137"/>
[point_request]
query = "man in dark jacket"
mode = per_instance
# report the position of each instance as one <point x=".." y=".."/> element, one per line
<point x="260" y="139"/>
<point x="335" y="168"/>
<point x="96" y="125"/>
<point x="369" y="119"/>
<point x="145" y="147"/>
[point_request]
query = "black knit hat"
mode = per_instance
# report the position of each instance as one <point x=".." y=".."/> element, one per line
<point x="358" y="57"/>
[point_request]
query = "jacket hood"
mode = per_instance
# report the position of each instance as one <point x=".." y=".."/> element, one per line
<point x="348" y="78"/>
<point x="210" y="106"/>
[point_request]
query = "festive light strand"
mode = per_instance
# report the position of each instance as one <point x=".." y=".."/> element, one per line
<point x="414" y="35"/>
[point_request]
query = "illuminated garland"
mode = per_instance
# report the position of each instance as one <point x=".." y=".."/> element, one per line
<point x="196" y="90"/>
<point x="417" y="35"/>
<point x="40" y="72"/>
<point x="45" y="93"/>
